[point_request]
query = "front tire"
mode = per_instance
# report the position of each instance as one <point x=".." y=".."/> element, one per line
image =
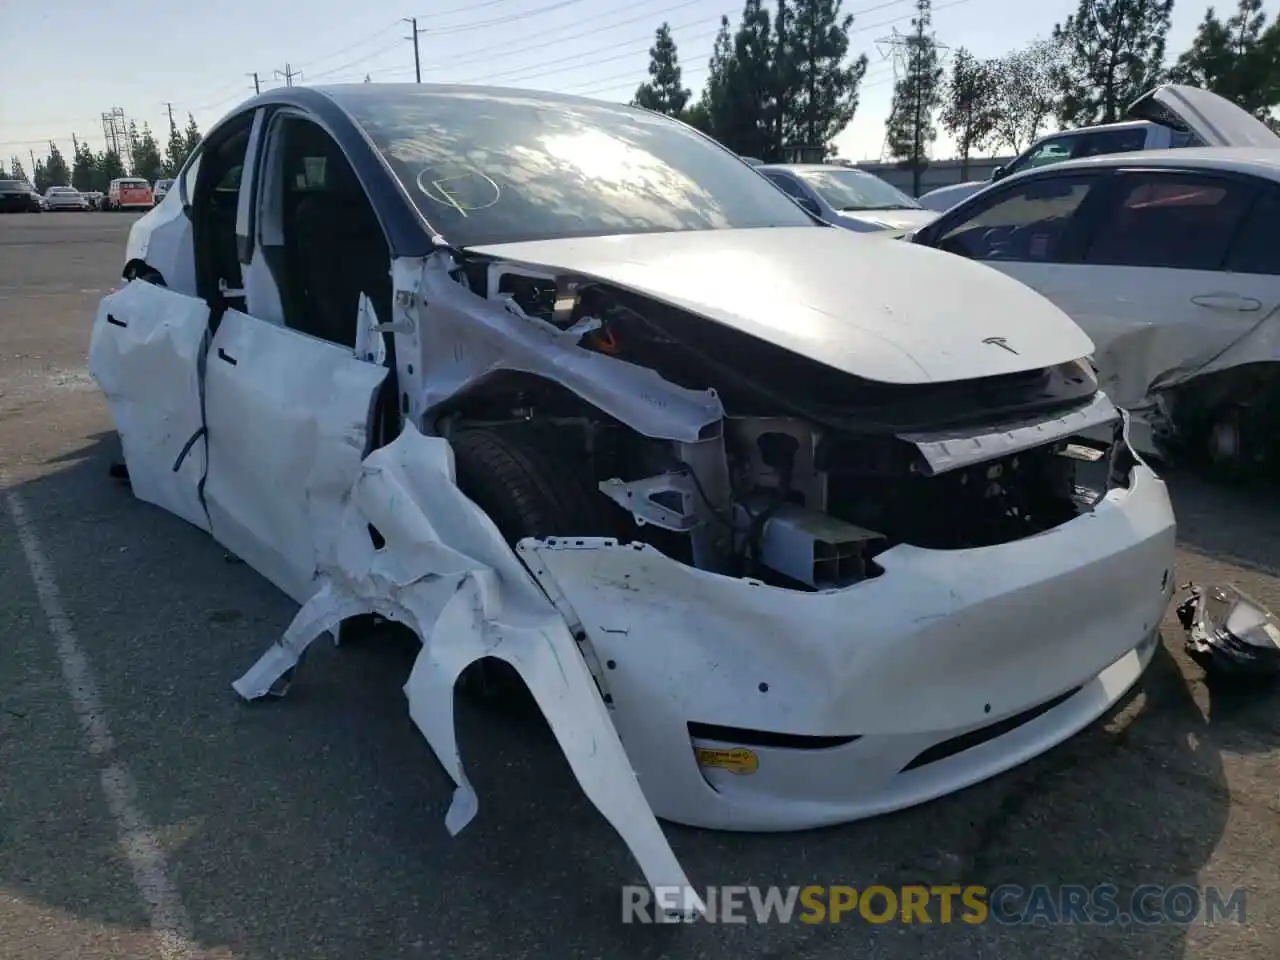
<point x="531" y="483"/>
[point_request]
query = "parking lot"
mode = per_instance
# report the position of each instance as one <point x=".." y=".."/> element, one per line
<point x="138" y="792"/>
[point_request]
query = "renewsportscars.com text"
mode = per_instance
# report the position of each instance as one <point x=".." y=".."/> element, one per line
<point x="1040" y="904"/>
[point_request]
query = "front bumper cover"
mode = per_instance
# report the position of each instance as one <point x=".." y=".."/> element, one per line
<point x="942" y="644"/>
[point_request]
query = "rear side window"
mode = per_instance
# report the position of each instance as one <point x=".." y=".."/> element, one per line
<point x="1177" y="221"/>
<point x="1026" y="222"/>
<point x="1257" y="247"/>
<point x="789" y="186"/>
<point x="1110" y="141"/>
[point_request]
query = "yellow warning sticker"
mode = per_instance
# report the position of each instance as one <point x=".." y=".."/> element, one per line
<point x="736" y="760"/>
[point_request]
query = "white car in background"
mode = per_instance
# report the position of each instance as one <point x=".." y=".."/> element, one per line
<point x="1125" y="137"/>
<point x="781" y="525"/>
<point x="848" y="197"/>
<point x="1170" y="261"/>
<point x="161" y="188"/>
<point x="65" y="198"/>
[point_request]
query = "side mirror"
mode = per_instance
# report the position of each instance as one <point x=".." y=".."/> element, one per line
<point x="997" y="173"/>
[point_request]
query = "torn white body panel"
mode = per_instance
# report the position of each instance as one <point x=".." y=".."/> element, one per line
<point x="943" y="643"/>
<point x="145" y="353"/>
<point x="460" y="341"/>
<point x="288" y="424"/>
<point x="444" y="570"/>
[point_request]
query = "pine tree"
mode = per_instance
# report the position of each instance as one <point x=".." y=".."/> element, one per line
<point x="147" y="162"/>
<point x="1237" y="59"/>
<point x="110" y="167"/>
<point x="55" y="167"/>
<point x="1114" y="53"/>
<point x="817" y="86"/>
<point x="40" y="179"/>
<point x="15" y="167"/>
<point x="175" y="151"/>
<point x="910" y="128"/>
<point x="192" y="134"/>
<point x="663" y="91"/>
<point x="83" y="171"/>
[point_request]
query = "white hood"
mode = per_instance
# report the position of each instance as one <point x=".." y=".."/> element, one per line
<point x="895" y="220"/>
<point x="1216" y="120"/>
<point x="890" y="312"/>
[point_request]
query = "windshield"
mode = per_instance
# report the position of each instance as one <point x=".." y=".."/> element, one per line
<point x="59" y="190"/>
<point x="853" y="190"/>
<point x="163" y="184"/>
<point x="14" y="185"/>
<point x="135" y="184"/>
<point x="502" y="166"/>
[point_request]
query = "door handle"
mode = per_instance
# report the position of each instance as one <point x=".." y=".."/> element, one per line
<point x="223" y="355"/>
<point x="1227" y="301"/>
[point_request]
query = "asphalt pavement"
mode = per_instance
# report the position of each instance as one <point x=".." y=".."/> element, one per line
<point x="139" y="794"/>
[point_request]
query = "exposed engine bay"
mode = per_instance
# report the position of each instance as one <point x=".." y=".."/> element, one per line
<point x="813" y="472"/>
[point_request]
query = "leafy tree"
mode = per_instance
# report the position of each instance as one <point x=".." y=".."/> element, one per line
<point x="40" y="179"/>
<point x="55" y="167"/>
<point x="175" y="151"/>
<point x="1027" y="93"/>
<point x="817" y="90"/>
<point x="1114" y="53"/>
<point x="15" y="167"/>
<point x="147" y="162"/>
<point x="1237" y="59"/>
<point x="697" y="117"/>
<point x="109" y="167"/>
<point x="910" y="128"/>
<point x="84" y="173"/>
<point x="192" y="134"/>
<point x="663" y="91"/>
<point x="970" y="104"/>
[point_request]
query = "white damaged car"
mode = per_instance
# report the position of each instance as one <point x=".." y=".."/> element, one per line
<point x="776" y="535"/>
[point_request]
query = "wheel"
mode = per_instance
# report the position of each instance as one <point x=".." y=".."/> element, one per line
<point x="531" y="483"/>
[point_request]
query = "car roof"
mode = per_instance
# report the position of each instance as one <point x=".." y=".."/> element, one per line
<point x="798" y="167"/>
<point x="1260" y="161"/>
<point x="345" y="93"/>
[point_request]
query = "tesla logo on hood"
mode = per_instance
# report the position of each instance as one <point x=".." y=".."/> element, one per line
<point x="1000" y="342"/>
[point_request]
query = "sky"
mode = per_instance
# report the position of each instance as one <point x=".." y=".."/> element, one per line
<point x="63" y="63"/>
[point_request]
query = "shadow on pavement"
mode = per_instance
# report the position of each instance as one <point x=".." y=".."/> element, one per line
<point x="314" y="826"/>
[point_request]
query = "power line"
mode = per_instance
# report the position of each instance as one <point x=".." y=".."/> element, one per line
<point x="394" y="45"/>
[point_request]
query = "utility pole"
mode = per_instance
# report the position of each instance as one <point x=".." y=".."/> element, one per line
<point x="257" y="85"/>
<point x="417" y="62"/>
<point x="287" y="74"/>
<point x="169" y="105"/>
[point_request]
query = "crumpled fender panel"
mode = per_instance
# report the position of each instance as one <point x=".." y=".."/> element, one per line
<point x="445" y="571"/>
<point x="145" y="353"/>
<point x="465" y="339"/>
<point x="1137" y="365"/>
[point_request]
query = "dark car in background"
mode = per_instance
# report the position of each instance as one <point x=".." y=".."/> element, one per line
<point x="18" y="196"/>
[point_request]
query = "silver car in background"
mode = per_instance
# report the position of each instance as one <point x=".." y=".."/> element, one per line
<point x="848" y="198"/>
<point x="65" y="198"/>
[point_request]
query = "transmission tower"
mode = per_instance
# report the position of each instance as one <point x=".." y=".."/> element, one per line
<point x="897" y="47"/>
<point x="115" y="131"/>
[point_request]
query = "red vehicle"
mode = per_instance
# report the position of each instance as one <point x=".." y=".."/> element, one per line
<point x="129" y="193"/>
